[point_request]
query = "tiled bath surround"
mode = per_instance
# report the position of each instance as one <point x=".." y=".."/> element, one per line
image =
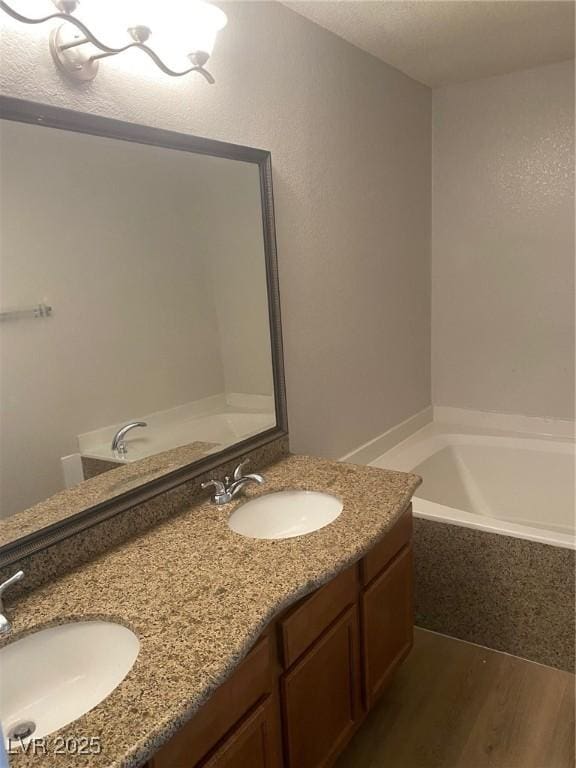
<point x="506" y="593"/>
<point x="511" y="594"/>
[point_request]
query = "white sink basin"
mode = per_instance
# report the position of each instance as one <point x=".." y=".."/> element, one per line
<point x="52" y="677"/>
<point x="285" y="514"/>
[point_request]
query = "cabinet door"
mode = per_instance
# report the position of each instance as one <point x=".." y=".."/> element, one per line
<point x="387" y="624"/>
<point x="320" y="697"/>
<point x="226" y="709"/>
<point x="252" y="744"/>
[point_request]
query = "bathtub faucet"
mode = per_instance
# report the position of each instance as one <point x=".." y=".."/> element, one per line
<point x="224" y="491"/>
<point x="119" y="446"/>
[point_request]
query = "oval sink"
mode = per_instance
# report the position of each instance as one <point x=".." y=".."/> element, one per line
<point x="285" y="514"/>
<point x="54" y="676"/>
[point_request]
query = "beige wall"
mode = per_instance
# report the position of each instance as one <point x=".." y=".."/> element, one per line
<point x="234" y="258"/>
<point x="350" y="143"/>
<point x="503" y="243"/>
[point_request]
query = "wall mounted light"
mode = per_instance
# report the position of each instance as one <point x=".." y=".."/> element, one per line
<point x="178" y="35"/>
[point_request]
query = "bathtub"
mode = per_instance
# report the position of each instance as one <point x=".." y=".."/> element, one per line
<point x="494" y="546"/>
<point x="213" y="421"/>
<point x="520" y="486"/>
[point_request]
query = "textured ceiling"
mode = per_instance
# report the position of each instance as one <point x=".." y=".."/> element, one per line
<point x="447" y="41"/>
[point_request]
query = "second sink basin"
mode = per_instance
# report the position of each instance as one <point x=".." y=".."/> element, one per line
<point x="51" y="677"/>
<point x="285" y="514"/>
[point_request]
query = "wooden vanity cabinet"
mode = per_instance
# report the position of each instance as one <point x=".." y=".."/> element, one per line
<point x="387" y="624"/>
<point x="252" y="744"/>
<point x="305" y="687"/>
<point x="239" y="721"/>
<point x="321" y="697"/>
<point x="386" y="607"/>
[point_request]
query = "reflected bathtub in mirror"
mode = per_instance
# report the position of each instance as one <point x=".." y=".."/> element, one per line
<point x="139" y="311"/>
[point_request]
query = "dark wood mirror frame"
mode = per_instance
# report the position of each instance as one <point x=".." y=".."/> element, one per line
<point x="79" y="122"/>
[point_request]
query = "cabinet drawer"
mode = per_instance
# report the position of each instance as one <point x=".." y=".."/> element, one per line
<point x="306" y="621"/>
<point x="386" y="549"/>
<point x="228" y="704"/>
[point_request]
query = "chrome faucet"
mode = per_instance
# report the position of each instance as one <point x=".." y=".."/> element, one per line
<point x="5" y="626"/>
<point x="225" y="491"/>
<point x="119" y="446"/>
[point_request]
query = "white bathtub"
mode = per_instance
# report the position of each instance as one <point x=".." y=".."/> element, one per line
<point x="220" y="428"/>
<point x="521" y="486"/>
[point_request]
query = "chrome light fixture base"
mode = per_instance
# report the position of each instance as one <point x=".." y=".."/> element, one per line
<point x="68" y="49"/>
<point x="80" y="63"/>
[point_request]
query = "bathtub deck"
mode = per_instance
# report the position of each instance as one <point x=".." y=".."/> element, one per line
<point x="457" y="705"/>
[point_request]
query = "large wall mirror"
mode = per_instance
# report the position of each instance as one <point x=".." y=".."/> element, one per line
<point x="140" y="337"/>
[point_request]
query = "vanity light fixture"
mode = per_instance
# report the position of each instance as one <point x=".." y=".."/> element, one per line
<point x="182" y="32"/>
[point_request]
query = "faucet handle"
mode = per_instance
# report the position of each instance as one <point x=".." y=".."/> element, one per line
<point x="18" y="576"/>
<point x="239" y="471"/>
<point x="219" y="486"/>
<point x="221" y="491"/>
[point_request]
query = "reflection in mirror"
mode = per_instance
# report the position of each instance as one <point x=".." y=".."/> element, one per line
<point x="133" y="292"/>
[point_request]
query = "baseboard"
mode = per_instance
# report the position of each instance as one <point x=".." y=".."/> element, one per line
<point x="384" y="442"/>
<point x="534" y="425"/>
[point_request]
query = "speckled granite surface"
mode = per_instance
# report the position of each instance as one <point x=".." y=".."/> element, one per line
<point x="509" y="594"/>
<point x="165" y="461"/>
<point x="98" y="488"/>
<point x="50" y="563"/>
<point x="198" y="596"/>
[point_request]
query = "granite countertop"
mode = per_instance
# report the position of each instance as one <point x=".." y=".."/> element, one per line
<point x="198" y="596"/>
<point x="95" y="490"/>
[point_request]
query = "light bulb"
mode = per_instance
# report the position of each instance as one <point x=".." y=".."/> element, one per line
<point x="184" y="27"/>
<point x="110" y="20"/>
<point x="35" y="9"/>
<point x="178" y="28"/>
